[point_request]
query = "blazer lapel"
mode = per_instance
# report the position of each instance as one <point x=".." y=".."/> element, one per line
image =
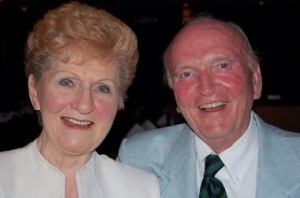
<point x="274" y="147"/>
<point x="180" y="167"/>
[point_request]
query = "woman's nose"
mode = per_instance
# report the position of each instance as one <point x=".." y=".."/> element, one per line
<point x="84" y="102"/>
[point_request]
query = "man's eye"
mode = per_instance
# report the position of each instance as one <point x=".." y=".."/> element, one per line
<point x="224" y="65"/>
<point x="185" y="75"/>
<point x="66" y="82"/>
<point x="103" y="89"/>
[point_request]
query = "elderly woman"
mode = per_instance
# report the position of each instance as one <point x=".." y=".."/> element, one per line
<point x="80" y="61"/>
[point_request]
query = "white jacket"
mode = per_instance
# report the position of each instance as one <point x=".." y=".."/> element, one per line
<point x="24" y="173"/>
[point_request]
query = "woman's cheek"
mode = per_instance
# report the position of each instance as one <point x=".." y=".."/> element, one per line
<point x="106" y="108"/>
<point x="55" y="103"/>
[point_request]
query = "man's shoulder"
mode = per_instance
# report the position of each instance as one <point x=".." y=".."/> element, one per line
<point x="157" y="136"/>
<point x="271" y="136"/>
<point x="275" y="132"/>
<point x="154" y="145"/>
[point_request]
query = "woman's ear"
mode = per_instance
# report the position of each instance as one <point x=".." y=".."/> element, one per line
<point x="32" y="89"/>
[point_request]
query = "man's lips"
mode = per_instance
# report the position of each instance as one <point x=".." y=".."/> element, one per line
<point x="213" y="106"/>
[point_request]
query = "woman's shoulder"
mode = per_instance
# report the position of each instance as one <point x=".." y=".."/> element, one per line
<point x="15" y="154"/>
<point x="14" y="165"/>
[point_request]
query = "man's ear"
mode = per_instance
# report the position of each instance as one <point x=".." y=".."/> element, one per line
<point x="32" y="89"/>
<point x="257" y="82"/>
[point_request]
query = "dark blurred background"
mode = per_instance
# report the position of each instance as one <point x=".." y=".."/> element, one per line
<point x="271" y="25"/>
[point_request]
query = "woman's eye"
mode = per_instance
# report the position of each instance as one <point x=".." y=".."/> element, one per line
<point x="66" y="82"/>
<point x="103" y="89"/>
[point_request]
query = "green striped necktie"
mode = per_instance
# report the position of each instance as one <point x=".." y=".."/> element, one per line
<point x="211" y="187"/>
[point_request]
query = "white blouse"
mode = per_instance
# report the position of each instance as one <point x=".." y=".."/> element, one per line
<point x="25" y="173"/>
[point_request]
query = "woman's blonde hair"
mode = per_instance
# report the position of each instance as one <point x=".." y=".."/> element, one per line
<point x="106" y="36"/>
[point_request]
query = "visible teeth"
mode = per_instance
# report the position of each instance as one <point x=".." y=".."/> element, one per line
<point x="77" y="122"/>
<point x="212" y="105"/>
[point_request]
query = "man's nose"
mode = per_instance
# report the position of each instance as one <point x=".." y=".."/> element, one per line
<point x="207" y="85"/>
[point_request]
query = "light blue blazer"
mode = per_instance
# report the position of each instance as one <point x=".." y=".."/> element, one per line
<point x="170" y="153"/>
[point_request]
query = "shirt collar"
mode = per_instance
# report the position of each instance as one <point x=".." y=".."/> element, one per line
<point x="242" y="153"/>
<point x="236" y="158"/>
